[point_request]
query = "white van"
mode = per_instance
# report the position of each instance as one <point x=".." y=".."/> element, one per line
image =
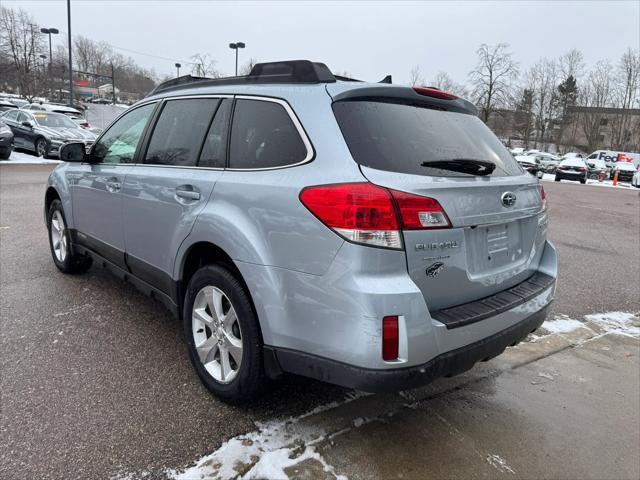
<point x="610" y="157"/>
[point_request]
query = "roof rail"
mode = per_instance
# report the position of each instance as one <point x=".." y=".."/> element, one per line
<point x="290" y="71"/>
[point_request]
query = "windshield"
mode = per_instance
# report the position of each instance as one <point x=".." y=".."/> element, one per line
<point x="421" y="141"/>
<point x="54" y="120"/>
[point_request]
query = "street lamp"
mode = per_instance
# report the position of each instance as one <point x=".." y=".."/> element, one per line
<point x="178" y="70"/>
<point x="44" y="63"/>
<point x="236" y="46"/>
<point x="49" y="31"/>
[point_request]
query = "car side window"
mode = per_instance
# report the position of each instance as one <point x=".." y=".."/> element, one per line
<point x="263" y="136"/>
<point x="23" y="117"/>
<point x="11" y="115"/>
<point x="119" y="143"/>
<point x="214" y="151"/>
<point x="179" y="132"/>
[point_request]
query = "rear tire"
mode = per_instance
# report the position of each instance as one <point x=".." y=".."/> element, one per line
<point x="219" y="318"/>
<point x="557" y="179"/>
<point x="42" y="147"/>
<point x="60" y="242"/>
<point x="583" y="181"/>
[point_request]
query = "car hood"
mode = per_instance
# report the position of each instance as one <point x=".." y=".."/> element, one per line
<point x="67" y="133"/>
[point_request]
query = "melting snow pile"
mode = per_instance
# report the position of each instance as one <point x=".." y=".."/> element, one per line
<point x="621" y="323"/>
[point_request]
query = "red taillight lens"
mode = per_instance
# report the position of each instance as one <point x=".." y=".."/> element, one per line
<point x="372" y="215"/>
<point x="435" y="93"/>
<point x="543" y="197"/>
<point x="418" y="212"/>
<point x="360" y="212"/>
<point x="390" y="338"/>
<point x="582" y="169"/>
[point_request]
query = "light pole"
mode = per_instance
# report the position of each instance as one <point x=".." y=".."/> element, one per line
<point x="70" y="57"/>
<point x="44" y="63"/>
<point x="178" y="70"/>
<point x="236" y="46"/>
<point x="49" y="31"/>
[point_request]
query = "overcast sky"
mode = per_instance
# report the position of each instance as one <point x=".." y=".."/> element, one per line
<point x="367" y="39"/>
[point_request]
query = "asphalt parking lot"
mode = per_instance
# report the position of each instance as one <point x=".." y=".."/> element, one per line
<point x="95" y="380"/>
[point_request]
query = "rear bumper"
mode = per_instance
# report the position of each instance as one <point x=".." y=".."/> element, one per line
<point x="373" y="380"/>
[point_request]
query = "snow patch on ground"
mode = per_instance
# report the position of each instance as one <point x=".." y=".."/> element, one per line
<point x="621" y="323"/>
<point x="23" y="158"/>
<point x="499" y="463"/>
<point x="547" y="177"/>
<point x="266" y="452"/>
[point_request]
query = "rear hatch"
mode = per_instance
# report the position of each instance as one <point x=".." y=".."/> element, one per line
<point x="494" y="208"/>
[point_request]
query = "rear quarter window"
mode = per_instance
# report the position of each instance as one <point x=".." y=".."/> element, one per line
<point x="263" y="135"/>
<point x="405" y="138"/>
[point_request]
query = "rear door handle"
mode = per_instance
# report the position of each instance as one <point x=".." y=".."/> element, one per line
<point x="187" y="192"/>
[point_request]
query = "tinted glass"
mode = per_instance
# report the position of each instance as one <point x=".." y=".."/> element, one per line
<point x="54" y="120"/>
<point x="23" y="117"/>
<point x="179" y="133"/>
<point x="214" y="151"/>
<point x="119" y="143"/>
<point x="263" y="135"/>
<point x="11" y="115"/>
<point x="405" y="139"/>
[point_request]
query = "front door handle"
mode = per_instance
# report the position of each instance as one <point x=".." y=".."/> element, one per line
<point x="187" y="192"/>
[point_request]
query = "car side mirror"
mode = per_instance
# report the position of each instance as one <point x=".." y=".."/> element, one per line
<point x="27" y="124"/>
<point x="73" y="152"/>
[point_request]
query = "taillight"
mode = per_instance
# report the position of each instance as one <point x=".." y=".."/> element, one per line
<point x="372" y="215"/>
<point x="390" y="338"/>
<point x="418" y="212"/>
<point x="543" y="197"/>
<point x="582" y="169"/>
<point x="435" y="93"/>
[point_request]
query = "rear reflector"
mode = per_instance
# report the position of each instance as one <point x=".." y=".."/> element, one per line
<point x="390" y="338"/>
<point x="372" y="215"/>
<point x="435" y="93"/>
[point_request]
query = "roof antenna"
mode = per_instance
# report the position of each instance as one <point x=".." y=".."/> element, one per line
<point x="386" y="79"/>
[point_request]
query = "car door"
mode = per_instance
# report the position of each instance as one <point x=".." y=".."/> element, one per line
<point x="24" y="135"/>
<point x="96" y="187"/>
<point x="184" y="157"/>
<point x="11" y="119"/>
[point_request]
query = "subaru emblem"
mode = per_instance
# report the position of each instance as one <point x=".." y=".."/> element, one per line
<point x="508" y="199"/>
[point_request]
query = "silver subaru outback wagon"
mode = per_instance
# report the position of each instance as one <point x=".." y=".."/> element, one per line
<point x="369" y="235"/>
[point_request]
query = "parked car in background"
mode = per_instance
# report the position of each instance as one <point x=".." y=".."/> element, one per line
<point x="572" y="168"/>
<point x="101" y="101"/>
<point x="635" y="181"/>
<point x="6" y="141"/>
<point x="571" y="155"/>
<point x="531" y="164"/>
<point x="517" y="151"/>
<point x="18" y="102"/>
<point x="80" y="121"/>
<point x="44" y="132"/>
<point x="596" y="168"/>
<point x="548" y="161"/>
<point x="6" y="105"/>
<point x="611" y="157"/>
<point x="624" y="170"/>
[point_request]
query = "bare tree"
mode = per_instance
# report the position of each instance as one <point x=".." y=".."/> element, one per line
<point x="444" y="82"/>
<point x="596" y="94"/>
<point x="571" y="64"/>
<point x="493" y="77"/>
<point x="542" y="79"/>
<point x="20" y="37"/>
<point x="415" y="77"/>
<point x="626" y="94"/>
<point x="203" y="66"/>
<point x="248" y="66"/>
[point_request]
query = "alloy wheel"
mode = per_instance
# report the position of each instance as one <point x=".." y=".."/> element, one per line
<point x="58" y="236"/>
<point x="41" y="147"/>
<point x="217" y="334"/>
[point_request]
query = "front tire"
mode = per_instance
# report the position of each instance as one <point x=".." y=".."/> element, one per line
<point x="222" y="335"/>
<point x="60" y="242"/>
<point x="583" y="181"/>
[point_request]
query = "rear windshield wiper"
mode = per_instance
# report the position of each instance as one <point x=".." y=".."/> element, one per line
<point x="463" y="165"/>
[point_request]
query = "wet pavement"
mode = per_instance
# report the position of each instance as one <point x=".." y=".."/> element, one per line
<point x="95" y="380"/>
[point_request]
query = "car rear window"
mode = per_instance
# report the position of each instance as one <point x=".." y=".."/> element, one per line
<point x="406" y="138"/>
